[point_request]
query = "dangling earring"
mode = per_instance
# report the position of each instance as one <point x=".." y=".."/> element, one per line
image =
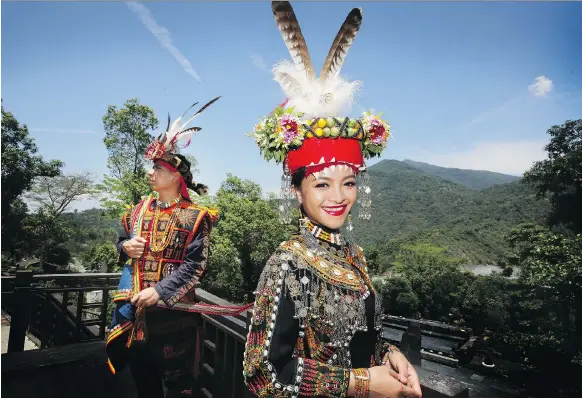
<point x="285" y="198"/>
<point x="349" y="231"/>
<point x="364" y="196"/>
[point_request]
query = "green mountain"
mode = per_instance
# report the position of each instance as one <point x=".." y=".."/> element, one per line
<point x="475" y="179"/>
<point x="410" y="204"/>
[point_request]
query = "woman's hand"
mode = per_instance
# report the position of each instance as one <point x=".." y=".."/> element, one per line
<point x="384" y="383"/>
<point x="134" y="247"/>
<point x="406" y="373"/>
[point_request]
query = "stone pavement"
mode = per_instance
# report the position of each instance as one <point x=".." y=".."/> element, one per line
<point x="28" y="344"/>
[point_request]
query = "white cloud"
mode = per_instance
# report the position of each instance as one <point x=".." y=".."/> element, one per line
<point x="60" y="131"/>
<point x="163" y="36"/>
<point x="508" y="157"/>
<point x="259" y="62"/>
<point x="541" y="86"/>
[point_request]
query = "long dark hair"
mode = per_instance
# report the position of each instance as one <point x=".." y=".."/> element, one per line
<point x="297" y="177"/>
<point x="184" y="169"/>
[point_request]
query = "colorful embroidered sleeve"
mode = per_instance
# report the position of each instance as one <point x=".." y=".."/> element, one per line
<point x="270" y="367"/>
<point x="176" y="285"/>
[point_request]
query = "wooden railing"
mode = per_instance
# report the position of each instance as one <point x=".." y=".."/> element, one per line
<point x="55" y="309"/>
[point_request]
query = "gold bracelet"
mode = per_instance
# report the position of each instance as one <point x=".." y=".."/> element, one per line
<point x="362" y="387"/>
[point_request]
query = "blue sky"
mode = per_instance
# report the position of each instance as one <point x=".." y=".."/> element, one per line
<point x="456" y="81"/>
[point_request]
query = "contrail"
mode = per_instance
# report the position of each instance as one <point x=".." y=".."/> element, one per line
<point x="57" y="130"/>
<point x="163" y="36"/>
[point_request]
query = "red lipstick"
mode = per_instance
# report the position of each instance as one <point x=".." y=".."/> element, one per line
<point x="335" y="210"/>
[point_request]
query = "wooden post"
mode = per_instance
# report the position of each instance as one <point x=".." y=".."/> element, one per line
<point x="21" y="315"/>
<point x="79" y="320"/>
<point x="410" y="344"/>
<point x="62" y="331"/>
<point x="104" y="313"/>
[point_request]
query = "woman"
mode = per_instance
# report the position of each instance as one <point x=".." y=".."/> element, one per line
<point x="317" y="320"/>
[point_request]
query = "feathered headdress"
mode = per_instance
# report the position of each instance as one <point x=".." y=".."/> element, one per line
<point x="307" y="129"/>
<point x="330" y="93"/>
<point x="167" y="142"/>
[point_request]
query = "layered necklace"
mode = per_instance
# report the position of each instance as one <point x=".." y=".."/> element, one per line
<point x="331" y="237"/>
<point x="160" y="240"/>
<point x="166" y="205"/>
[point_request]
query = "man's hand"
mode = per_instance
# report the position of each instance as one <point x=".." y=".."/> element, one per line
<point x="146" y="298"/>
<point x="134" y="247"/>
<point x="406" y="373"/>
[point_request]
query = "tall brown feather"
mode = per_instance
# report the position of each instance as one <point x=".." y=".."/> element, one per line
<point x="206" y="106"/>
<point x="343" y="40"/>
<point x="292" y="36"/>
<point x="201" y="110"/>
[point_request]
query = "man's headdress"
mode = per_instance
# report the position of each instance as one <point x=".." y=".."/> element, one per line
<point x="165" y="150"/>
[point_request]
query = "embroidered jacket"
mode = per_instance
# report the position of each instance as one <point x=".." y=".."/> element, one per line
<point x="173" y="272"/>
<point x="316" y="316"/>
<point x="182" y="263"/>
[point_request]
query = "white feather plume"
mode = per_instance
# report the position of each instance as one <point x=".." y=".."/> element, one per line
<point x="313" y="97"/>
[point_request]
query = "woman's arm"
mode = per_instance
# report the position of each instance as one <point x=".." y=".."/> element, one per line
<point x="269" y="366"/>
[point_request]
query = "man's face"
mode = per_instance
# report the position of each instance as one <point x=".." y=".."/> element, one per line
<point x="162" y="179"/>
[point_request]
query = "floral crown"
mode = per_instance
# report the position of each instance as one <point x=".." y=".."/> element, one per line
<point x="306" y="129"/>
<point x="285" y="130"/>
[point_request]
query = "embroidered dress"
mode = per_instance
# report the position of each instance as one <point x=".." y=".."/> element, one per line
<point x="316" y="316"/>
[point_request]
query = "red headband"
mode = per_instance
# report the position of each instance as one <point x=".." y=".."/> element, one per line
<point x="317" y="154"/>
<point x="183" y="186"/>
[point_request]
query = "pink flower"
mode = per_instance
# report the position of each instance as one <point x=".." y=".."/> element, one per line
<point x="289" y="128"/>
<point x="378" y="132"/>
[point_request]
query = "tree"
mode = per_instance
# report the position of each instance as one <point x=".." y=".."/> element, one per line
<point x="247" y="233"/>
<point x="20" y="166"/>
<point x="560" y="176"/>
<point x="398" y="297"/>
<point x="551" y="261"/>
<point x="428" y="281"/>
<point x="127" y="137"/>
<point x="101" y="257"/>
<point x="543" y="328"/>
<point x="45" y="232"/>
<point x="57" y="193"/>
<point x="484" y="303"/>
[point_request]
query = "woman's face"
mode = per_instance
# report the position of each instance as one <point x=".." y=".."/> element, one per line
<point x="328" y="196"/>
<point x="161" y="179"/>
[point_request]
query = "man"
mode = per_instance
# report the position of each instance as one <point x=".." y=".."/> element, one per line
<point x="165" y="252"/>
